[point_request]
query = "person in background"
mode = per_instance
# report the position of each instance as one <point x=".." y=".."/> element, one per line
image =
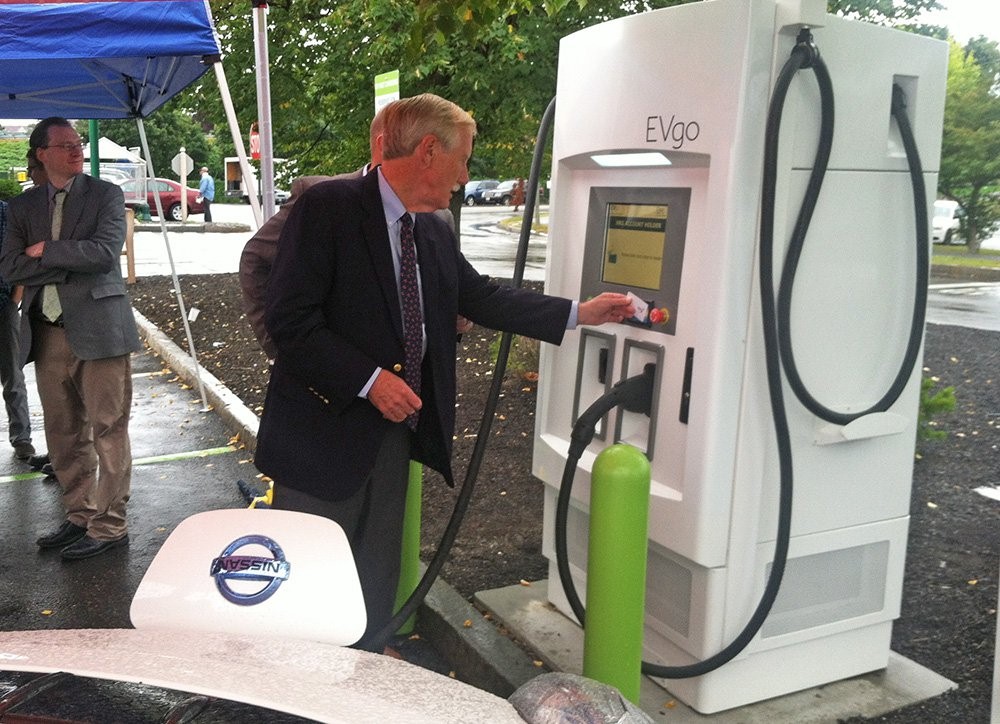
<point x="356" y="391"/>
<point x="64" y="242"/>
<point x="15" y="394"/>
<point x="517" y="198"/>
<point x="257" y="259"/>
<point x="206" y="193"/>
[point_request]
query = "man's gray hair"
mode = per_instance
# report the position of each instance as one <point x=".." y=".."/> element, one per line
<point x="405" y="123"/>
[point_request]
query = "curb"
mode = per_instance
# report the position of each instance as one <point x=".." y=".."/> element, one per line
<point x="945" y="274"/>
<point x="487" y="659"/>
<point x="200" y="227"/>
<point x="220" y="398"/>
<point x="473" y="644"/>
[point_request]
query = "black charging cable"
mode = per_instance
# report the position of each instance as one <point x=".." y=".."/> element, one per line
<point x="777" y="336"/>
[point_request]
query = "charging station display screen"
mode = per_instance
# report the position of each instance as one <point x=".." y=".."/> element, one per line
<point x="634" y="239"/>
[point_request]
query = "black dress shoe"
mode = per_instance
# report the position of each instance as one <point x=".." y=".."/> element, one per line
<point x="67" y="533"/>
<point x="37" y="462"/>
<point x="87" y="547"/>
<point x="49" y="471"/>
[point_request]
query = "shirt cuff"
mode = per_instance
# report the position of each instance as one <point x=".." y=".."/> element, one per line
<point x="368" y="386"/>
<point x="574" y="312"/>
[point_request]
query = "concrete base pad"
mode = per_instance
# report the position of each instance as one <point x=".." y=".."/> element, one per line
<point x="558" y="641"/>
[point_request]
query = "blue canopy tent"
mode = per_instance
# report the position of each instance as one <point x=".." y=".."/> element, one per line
<point x="110" y="59"/>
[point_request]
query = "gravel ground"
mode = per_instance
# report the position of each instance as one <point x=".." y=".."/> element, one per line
<point x="950" y="590"/>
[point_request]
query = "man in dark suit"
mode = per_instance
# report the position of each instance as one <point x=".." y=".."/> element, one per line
<point x="64" y="242"/>
<point x="259" y="252"/>
<point x="340" y="422"/>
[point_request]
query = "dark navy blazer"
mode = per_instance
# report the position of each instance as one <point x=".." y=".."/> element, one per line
<point x="333" y="313"/>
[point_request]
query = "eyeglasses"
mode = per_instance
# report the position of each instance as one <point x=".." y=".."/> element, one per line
<point x="67" y="147"/>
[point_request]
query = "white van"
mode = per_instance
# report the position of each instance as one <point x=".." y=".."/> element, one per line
<point x="945" y="224"/>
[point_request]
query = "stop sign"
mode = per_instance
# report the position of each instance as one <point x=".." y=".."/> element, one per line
<point x="188" y="164"/>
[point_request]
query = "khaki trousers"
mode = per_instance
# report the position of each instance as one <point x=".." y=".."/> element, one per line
<point x="86" y="404"/>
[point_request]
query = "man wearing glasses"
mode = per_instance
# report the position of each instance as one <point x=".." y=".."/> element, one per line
<point x="64" y="243"/>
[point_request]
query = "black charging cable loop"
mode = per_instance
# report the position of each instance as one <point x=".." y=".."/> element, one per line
<point x="777" y="340"/>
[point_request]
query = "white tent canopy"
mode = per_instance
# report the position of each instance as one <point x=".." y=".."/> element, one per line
<point x="108" y="150"/>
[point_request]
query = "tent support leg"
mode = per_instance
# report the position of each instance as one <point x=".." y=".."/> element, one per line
<point x="249" y="180"/>
<point x="170" y="256"/>
<point x="264" y="107"/>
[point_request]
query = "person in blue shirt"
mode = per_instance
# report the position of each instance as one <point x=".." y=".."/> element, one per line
<point x="206" y="192"/>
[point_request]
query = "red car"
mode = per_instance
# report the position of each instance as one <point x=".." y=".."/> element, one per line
<point x="170" y="196"/>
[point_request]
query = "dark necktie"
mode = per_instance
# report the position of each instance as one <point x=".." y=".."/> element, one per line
<point x="413" y="319"/>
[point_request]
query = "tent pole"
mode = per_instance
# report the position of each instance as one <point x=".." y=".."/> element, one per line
<point x="249" y="180"/>
<point x="95" y="152"/>
<point x="264" y="106"/>
<point x="170" y="257"/>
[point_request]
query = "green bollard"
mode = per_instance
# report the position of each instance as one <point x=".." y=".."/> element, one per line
<point x="616" y="569"/>
<point x="409" y="569"/>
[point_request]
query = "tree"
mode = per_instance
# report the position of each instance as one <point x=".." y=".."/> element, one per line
<point x="166" y="130"/>
<point x="498" y="60"/>
<point x="970" y="148"/>
<point x="13" y="153"/>
<point x="324" y="57"/>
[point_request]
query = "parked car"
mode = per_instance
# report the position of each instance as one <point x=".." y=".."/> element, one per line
<point x="280" y="196"/>
<point x="170" y="197"/>
<point x="113" y="175"/>
<point x="474" y="191"/>
<point x="502" y="193"/>
<point x="946" y="222"/>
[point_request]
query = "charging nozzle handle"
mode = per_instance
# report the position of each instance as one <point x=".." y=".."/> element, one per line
<point x="634" y="394"/>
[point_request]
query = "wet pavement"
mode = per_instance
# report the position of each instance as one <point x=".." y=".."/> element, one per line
<point x="183" y="463"/>
<point x="216" y="248"/>
<point x="975" y="305"/>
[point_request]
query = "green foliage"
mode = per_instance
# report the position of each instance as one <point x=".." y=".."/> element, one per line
<point x="496" y="58"/>
<point x="166" y="130"/>
<point x="8" y="188"/>
<point x="892" y="13"/>
<point x="12" y="154"/>
<point x="933" y="402"/>
<point x="970" y="148"/>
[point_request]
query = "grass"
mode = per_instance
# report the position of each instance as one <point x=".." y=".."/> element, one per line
<point x="960" y="256"/>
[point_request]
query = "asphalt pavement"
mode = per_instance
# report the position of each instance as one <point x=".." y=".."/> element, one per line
<point x="185" y="461"/>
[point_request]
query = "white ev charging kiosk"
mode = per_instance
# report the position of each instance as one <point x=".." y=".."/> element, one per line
<point x="657" y="165"/>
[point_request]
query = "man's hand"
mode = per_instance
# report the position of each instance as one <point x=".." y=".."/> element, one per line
<point x="35" y="251"/>
<point x="393" y="397"/>
<point x="462" y="325"/>
<point x="607" y="307"/>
